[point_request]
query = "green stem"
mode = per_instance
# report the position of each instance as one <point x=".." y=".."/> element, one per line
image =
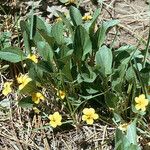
<point x="141" y="81"/>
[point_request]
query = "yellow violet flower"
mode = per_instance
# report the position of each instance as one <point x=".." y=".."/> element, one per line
<point x="7" y="88"/>
<point x="70" y="2"/>
<point x="89" y="115"/>
<point x="86" y="17"/>
<point x="33" y="57"/>
<point x="36" y="97"/>
<point x="61" y="94"/>
<point x="23" y="80"/>
<point x="36" y="110"/>
<point x="58" y="19"/>
<point x="55" y="119"/>
<point x="141" y="102"/>
<point x="123" y="127"/>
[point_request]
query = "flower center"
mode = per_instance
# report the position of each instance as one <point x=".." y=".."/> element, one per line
<point x="89" y="117"/>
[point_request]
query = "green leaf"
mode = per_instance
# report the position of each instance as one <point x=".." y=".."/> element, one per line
<point x="3" y="68"/>
<point x="36" y="23"/>
<point x="82" y="43"/>
<point x="110" y="23"/>
<point x="93" y="22"/>
<point x="29" y="88"/>
<point x="57" y="32"/>
<point x="50" y="40"/>
<point x="145" y="75"/>
<point x="39" y="23"/>
<point x="121" y="141"/>
<point x="26" y="102"/>
<point x="130" y="74"/>
<point x="26" y="42"/>
<point x="99" y="37"/>
<point x="131" y="133"/>
<point x="66" y="21"/>
<point x="45" y="66"/>
<point x="41" y="31"/>
<point x="88" y="78"/>
<point x="117" y="118"/>
<point x="5" y="103"/>
<point x="5" y="39"/>
<point x="45" y="51"/>
<point x="104" y="60"/>
<point x="75" y="15"/>
<point x="117" y="85"/>
<point x="12" y="54"/>
<point x="92" y="91"/>
<point x="111" y="100"/>
<point x="37" y="73"/>
<point x="24" y="26"/>
<point x="65" y="54"/>
<point x="67" y="71"/>
<point x="100" y="34"/>
<point x="127" y="140"/>
<point x="133" y="147"/>
<point x="128" y="48"/>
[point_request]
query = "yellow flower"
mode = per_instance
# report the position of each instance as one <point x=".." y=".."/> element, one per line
<point x="70" y="2"/>
<point x="7" y="88"/>
<point x="123" y="127"/>
<point x="87" y="17"/>
<point x="58" y="19"/>
<point x="36" y="110"/>
<point x="89" y="115"/>
<point x="61" y="94"/>
<point x="33" y="58"/>
<point x="55" y="119"/>
<point x="36" y="97"/>
<point x="23" y="80"/>
<point x="141" y="102"/>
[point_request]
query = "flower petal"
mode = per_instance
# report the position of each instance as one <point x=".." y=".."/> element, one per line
<point x="92" y="111"/>
<point x="21" y="86"/>
<point x="37" y="101"/>
<point x="85" y="110"/>
<point x="59" y="123"/>
<point x="143" y="108"/>
<point x="95" y="116"/>
<point x="57" y="116"/>
<point x="137" y="99"/>
<point x="89" y="121"/>
<point x="53" y="124"/>
<point x="84" y="117"/>
<point x="50" y="117"/>
<point x="142" y="96"/>
<point x="145" y="102"/>
<point x="138" y="107"/>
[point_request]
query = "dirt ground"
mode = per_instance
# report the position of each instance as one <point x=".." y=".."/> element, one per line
<point x="134" y="19"/>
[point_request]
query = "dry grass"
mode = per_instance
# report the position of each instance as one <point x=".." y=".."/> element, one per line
<point x="20" y="134"/>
